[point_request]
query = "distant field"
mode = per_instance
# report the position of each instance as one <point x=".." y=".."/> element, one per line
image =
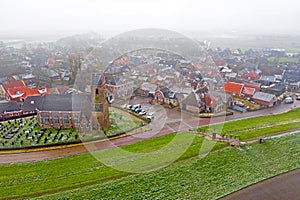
<point x="283" y="59"/>
<point x="222" y="171"/>
<point x="289" y="43"/>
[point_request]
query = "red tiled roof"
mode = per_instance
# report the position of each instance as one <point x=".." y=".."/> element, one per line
<point x="231" y="87"/>
<point x="210" y="100"/>
<point x="13" y="84"/>
<point x="253" y="85"/>
<point x="123" y="61"/>
<point x="252" y="75"/>
<point x="249" y="91"/>
<point x="24" y="91"/>
<point x="220" y="63"/>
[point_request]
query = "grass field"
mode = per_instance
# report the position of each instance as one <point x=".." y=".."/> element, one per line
<point x="222" y="171"/>
<point x="61" y="174"/>
<point x="283" y="59"/>
<point x="258" y="126"/>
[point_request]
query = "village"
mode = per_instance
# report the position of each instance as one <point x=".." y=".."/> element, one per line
<point x="215" y="83"/>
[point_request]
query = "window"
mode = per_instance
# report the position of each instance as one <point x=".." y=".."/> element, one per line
<point x="98" y="107"/>
<point x="46" y="120"/>
<point x="76" y="121"/>
<point x="97" y="91"/>
<point x="66" y="119"/>
<point x="56" y="120"/>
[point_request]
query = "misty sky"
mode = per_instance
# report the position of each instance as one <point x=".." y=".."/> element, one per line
<point x="26" y="18"/>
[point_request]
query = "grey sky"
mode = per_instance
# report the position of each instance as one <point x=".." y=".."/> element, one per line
<point x="64" y="17"/>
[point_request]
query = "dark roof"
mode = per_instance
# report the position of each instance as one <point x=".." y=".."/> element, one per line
<point x="191" y="100"/>
<point x="65" y="102"/>
<point x="96" y="78"/>
<point x="264" y="96"/>
<point x="31" y="103"/>
<point x="168" y="93"/>
<point x="9" y="107"/>
<point x="291" y="75"/>
<point x="3" y="80"/>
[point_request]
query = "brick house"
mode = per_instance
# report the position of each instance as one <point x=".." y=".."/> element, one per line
<point x="166" y="96"/>
<point x="252" y="76"/>
<point x="233" y="88"/>
<point x="10" y="110"/>
<point x="265" y="99"/>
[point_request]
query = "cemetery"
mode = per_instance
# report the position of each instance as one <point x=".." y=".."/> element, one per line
<point x="25" y="132"/>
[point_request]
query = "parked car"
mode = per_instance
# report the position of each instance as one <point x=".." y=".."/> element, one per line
<point x="137" y="110"/>
<point x="143" y="112"/>
<point x="298" y="97"/>
<point x="150" y="116"/>
<point x="129" y="107"/>
<point x="135" y="107"/>
<point x="288" y="100"/>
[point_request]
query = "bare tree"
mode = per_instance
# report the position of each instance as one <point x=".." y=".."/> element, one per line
<point x="74" y="63"/>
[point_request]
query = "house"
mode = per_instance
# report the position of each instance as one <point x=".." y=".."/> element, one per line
<point x="233" y="88"/>
<point x="46" y="75"/>
<point x="20" y="93"/>
<point x="256" y="86"/>
<point x="248" y="91"/>
<point x="9" y="110"/>
<point x="11" y="84"/>
<point x="291" y="77"/>
<point x="118" y="85"/>
<point x="211" y="102"/>
<point x="146" y="89"/>
<point x="192" y="103"/>
<point x="231" y="76"/>
<point x="264" y="99"/>
<point x="267" y="80"/>
<point x="252" y="76"/>
<point x="164" y="95"/>
<point x="167" y="63"/>
<point x="277" y="89"/>
<point x="217" y="101"/>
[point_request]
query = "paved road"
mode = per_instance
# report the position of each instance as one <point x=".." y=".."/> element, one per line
<point x="285" y="186"/>
<point x="166" y="122"/>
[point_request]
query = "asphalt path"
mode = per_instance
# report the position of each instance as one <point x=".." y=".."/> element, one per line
<point x="284" y="186"/>
<point x="166" y="122"/>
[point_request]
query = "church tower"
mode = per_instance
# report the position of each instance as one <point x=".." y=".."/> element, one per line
<point x="100" y="112"/>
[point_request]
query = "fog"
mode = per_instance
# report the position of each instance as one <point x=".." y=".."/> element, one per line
<point x="56" y="18"/>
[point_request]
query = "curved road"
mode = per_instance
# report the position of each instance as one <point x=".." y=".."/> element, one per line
<point x="175" y="121"/>
<point x="284" y="186"/>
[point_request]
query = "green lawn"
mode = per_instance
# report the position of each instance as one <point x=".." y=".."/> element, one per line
<point x="75" y="171"/>
<point x="219" y="173"/>
<point x="283" y="59"/>
<point x="258" y="126"/>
